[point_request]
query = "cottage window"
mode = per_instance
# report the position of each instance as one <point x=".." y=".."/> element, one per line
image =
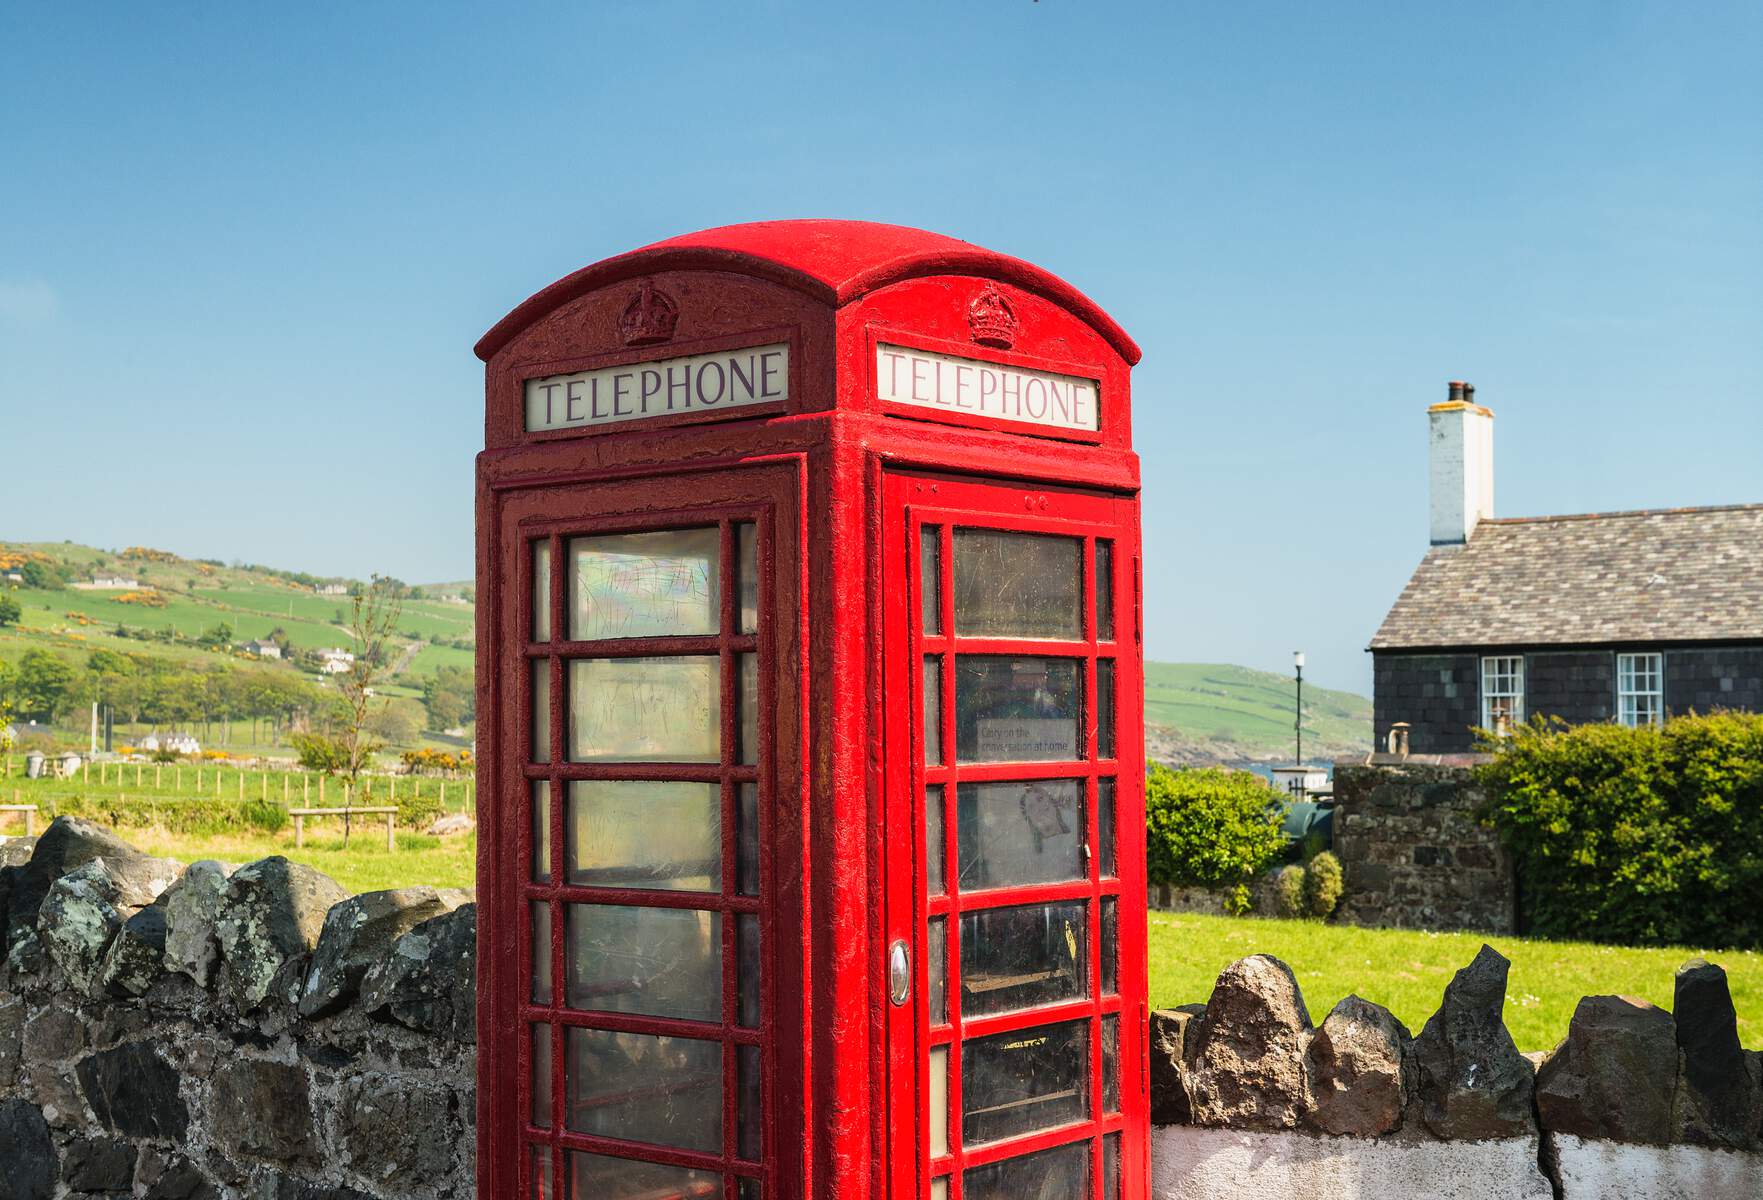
<point x="1502" y="692"/>
<point x="1640" y="689"/>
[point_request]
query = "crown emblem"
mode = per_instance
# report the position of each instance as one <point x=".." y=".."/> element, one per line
<point x="991" y="319"/>
<point x="649" y="317"/>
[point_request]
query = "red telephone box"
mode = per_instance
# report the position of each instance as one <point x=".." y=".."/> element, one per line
<point x="811" y="858"/>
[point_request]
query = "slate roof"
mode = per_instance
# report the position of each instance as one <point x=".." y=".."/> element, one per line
<point x="1664" y="575"/>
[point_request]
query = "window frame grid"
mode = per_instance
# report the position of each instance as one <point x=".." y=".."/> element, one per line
<point x="1628" y="695"/>
<point x="1514" y="679"/>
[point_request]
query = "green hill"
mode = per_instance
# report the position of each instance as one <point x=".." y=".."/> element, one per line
<point x="1197" y="712"/>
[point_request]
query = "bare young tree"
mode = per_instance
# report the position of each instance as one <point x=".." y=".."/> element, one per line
<point x="372" y="621"/>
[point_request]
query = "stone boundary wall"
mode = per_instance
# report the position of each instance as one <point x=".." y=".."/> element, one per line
<point x="1249" y="1100"/>
<point x="1412" y="851"/>
<point x="212" y="1033"/>
<point x="256" y="1033"/>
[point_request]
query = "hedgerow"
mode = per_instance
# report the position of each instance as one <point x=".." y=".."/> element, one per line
<point x="1648" y="836"/>
<point x="1210" y="828"/>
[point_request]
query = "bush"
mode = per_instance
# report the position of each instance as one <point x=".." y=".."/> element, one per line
<point x="1650" y="836"/>
<point x="1210" y="828"/>
<point x="1288" y="891"/>
<point x="1323" y="885"/>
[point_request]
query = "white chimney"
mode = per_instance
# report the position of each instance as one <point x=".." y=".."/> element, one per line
<point x="1461" y="439"/>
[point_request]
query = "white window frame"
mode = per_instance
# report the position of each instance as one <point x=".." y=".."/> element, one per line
<point x="1502" y="693"/>
<point x="1640" y="688"/>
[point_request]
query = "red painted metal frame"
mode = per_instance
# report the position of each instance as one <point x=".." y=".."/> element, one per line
<point x="815" y="471"/>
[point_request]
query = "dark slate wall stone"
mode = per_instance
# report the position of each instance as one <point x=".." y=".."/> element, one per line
<point x="1704" y="680"/>
<point x="134" y="1092"/>
<point x="1578" y="686"/>
<point x="99" y="1165"/>
<point x="1439" y="695"/>
<point x="263" y="1110"/>
<point x="28" y="1167"/>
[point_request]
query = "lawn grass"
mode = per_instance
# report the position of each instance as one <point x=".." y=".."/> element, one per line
<point x="366" y="866"/>
<point x="1407" y="971"/>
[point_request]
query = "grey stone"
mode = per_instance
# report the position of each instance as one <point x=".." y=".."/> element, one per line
<point x="286" y="1187"/>
<point x="53" y="1034"/>
<point x="1716" y="1102"/>
<point x="77" y="920"/>
<point x="166" y="1175"/>
<point x="1615" y="1076"/>
<point x="1360" y="1072"/>
<point x="1245" y="1055"/>
<point x="12" y="1015"/>
<point x="191" y="906"/>
<point x="68" y="844"/>
<point x="136" y="958"/>
<point x="1169" y="1089"/>
<point x="268" y="924"/>
<point x="429" y="981"/>
<point x="16" y="851"/>
<point x="31" y="1164"/>
<point x="1472" y="1084"/>
<point x="359" y="932"/>
<point x="133" y="1091"/>
<point x="24" y="954"/>
<point x="98" y="1165"/>
<point x="399" y="1137"/>
<point x="262" y="1110"/>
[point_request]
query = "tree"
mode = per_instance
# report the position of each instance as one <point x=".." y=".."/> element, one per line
<point x="1210" y="828"/>
<point x="10" y="611"/>
<point x="450" y="695"/>
<point x="43" y="684"/>
<point x="399" y="723"/>
<point x="219" y="635"/>
<point x="373" y="617"/>
<point x="42" y="575"/>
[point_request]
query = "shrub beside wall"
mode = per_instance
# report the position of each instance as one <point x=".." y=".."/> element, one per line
<point x="1210" y="828"/>
<point x="1650" y="836"/>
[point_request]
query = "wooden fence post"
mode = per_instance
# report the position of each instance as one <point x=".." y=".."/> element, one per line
<point x="391" y="843"/>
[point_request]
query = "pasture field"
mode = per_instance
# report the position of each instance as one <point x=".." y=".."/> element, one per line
<point x="1251" y="710"/>
<point x="1406" y="971"/>
<point x="364" y="866"/>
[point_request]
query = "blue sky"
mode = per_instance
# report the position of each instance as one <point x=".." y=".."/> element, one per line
<point x="243" y="257"/>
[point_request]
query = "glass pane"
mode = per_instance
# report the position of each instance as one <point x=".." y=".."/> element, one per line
<point x="939" y="1188"/>
<point x="747" y="590"/>
<point x="541" y="1172"/>
<point x="1110" y="1064"/>
<point x="542" y="590"/>
<point x="541" y="923"/>
<point x="750" y="1100"/>
<point x="645" y="709"/>
<point x="629" y="834"/>
<point x="1104" y="708"/>
<point x="933" y="711"/>
<point x="598" y="1177"/>
<point x="541" y="1063"/>
<point x="938" y="1101"/>
<point x="541" y="831"/>
<point x="937" y="965"/>
<point x="1019" y="957"/>
<point x="747" y="842"/>
<point x="1104" y="591"/>
<point x="1062" y="1173"/>
<point x="747" y="1189"/>
<point x="930" y="575"/>
<point x="1016" y="709"/>
<point x="749" y="715"/>
<point x="659" y="962"/>
<point x="541" y="710"/>
<point x="935" y="840"/>
<point x="1111" y="1167"/>
<point x="1110" y="936"/>
<point x="1018" y="833"/>
<point x="1016" y="585"/>
<point x="657" y="584"/>
<point x="748" y="966"/>
<point x="1024" y="1080"/>
<point x="1105" y="832"/>
<point x="663" y="1090"/>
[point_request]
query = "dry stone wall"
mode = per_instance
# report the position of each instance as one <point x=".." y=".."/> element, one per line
<point x="221" y="1033"/>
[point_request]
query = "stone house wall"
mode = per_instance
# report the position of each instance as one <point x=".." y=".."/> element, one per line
<point x="1413" y="854"/>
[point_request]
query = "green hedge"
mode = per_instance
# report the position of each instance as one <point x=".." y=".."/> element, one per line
<point x="1650" y="836"/>
<point x="175" y="816"/>
<point x="1210" y="828"/>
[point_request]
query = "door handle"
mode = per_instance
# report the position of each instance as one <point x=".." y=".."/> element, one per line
<point x="899" y="972"/>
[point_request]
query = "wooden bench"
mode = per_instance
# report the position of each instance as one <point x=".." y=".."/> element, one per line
<point x="390" y="813"/>
<point x="30" y="816"/>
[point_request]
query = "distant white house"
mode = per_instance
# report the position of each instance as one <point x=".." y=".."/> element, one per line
<point x="180" y="743"/>
<point x="262" y="649"/>
<point x="14" y="577"/>
<point x="334" y="589"/>
<point x="335" y="661"/>
<point x="1301" y="781"/>
<point x="110" y="583"/>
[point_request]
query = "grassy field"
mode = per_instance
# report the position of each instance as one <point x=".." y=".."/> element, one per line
<point x="1250" y="710"/>
<point x="1406" y="972"/>
<point x="365" y="866"/>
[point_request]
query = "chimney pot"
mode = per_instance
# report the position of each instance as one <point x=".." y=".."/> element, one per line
<point x="1456" y="392"/>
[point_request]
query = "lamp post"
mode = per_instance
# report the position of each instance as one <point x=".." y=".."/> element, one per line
<point x="1298" y="725"/>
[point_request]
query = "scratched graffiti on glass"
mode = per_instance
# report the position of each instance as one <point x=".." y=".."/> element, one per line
<point x="660" y="584"/>
<point x="645" y="709"/>
<point x="654" y="962"/>
<point x="638" y="1087"/>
